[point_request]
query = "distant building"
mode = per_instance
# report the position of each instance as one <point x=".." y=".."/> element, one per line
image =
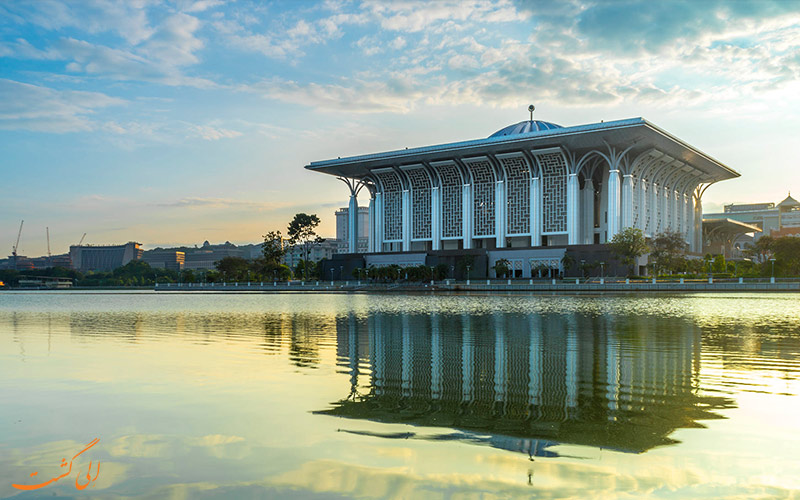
<point x="324" y="250"/>
<point x="206" y="259"/>
<point x="165" y="259"/>
<point x="770" y="218"/>
<point x="343" y="229"/>
<point x="104" y="257"/>
<point x="727" y="237"/>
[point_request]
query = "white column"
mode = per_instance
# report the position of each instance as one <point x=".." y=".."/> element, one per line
<point x="436" y="219"/>
<point x="406" y="358"/>
<point x="626" y="201"/>
<point x="573" y="212"/>
<point x="674" y="216"/>
<point x="571" y="380"/>
<point x="379" y="222"/>
<point x="500" y="361"/>
<point x="688" y="217"/>
<point x="406" y="211"/>
<point x="437" y="353"/>
<point x="467" y="359"/>
<point x="588" y="212"/>
<point x="697" y="241"/>
<point x="613" y="203"/>
<point x="466" y="200"/>
<point x="500" y="214"/>
<point x="352" y="223"/>
<point x="536" y="213"/>
<point x="372" y="223"/>
<point x="661" y="212"/>
<point x="535" y="357"/>
<point x="642" y="203"/>
<point x="652" y="201"/>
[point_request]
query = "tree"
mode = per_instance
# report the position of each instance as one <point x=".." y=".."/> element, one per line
<point x="787" y="255"/>
<point x="567" y="261"/>
<point x="718" y="264"/>
<point x="668" y="250"/>
<point x="273" y="251"/>
<point x="466" y="265"/>
<point x="301" y="231"/>
<point x="764" y="248"/>
<point x="232" y="268"/>
<point x="629" y="244"/>
<point x="501" y="267"/>
<point x="441" y="271"/>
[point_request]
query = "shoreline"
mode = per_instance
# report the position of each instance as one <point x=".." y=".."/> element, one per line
<point x="479" y="286"/>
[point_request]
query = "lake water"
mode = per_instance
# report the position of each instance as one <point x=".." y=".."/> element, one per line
<point x="399" y="396"/>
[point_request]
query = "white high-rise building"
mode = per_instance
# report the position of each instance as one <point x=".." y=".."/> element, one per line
<point x="343" y="230"/>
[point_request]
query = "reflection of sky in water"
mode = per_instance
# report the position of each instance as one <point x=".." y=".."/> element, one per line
<point x="215" y="396"/>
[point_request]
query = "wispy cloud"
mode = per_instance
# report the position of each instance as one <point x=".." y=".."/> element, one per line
<point x="221" y="203"/>
<point x="214" y="134"/>
<point x="41" y="109"/>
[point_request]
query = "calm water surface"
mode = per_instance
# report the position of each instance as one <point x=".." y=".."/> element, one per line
<point x="367" y="396"/>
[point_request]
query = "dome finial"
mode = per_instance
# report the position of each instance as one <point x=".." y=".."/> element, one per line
<point x="531" y="108"/>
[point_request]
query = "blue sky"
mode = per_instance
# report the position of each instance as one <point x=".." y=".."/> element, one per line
<point x="173" y="122"/>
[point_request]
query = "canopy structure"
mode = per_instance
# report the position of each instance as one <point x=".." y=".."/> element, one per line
<point x="719" y="235"/>
<point x="532" y="184"/>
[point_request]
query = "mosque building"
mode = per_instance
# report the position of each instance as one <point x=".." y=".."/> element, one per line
<point x="527" y="192"/>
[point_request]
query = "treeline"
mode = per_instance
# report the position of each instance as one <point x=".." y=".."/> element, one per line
<point x="134" y="273"/>
<point x="779" y="257"/>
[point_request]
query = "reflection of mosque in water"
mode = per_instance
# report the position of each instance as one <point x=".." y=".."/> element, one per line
<point x="525" y="382"/>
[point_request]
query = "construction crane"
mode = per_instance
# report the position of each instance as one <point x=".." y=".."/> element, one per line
<point x="49" y="258"/>
<point x="16" y="245"/>
<point x="82" y="237"/>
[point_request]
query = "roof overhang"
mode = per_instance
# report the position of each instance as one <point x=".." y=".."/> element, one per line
<point x="637" y="133"/>
<point x="729" y="226"/>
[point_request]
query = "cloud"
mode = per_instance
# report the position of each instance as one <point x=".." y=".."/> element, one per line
<point x="283" y="40"/>
<point x="127" y="19"/>
<point x="221" y="203"/>
<point x="392" y="95"/>
<point x="213" y="134"/>
<point x="153" y="54"/>
<point x="30" y="107"/>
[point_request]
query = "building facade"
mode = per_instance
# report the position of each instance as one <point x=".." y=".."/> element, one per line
<point x="165" y="259"/>
<point x="343" y="230"/>
<point x="772" y="219"/>
<point x="104" y="257"/>
<point x="530" y="185"/>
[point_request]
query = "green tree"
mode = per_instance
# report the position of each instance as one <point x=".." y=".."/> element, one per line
<point x="567" y="261"/>
<point x="629" y="244"/>
<point x="667" y="251"/>
<point x="787" y="255"/>
<point x="763" y="248"/>
<point x="233" y="268"/>
<point x="501" y="268"/>
<point x="272" y="251"/>
<point x="466" y="266"/>
<point x="718" y="264"/>
<point x="302" y="231"/>
<point x="440" y="272"/>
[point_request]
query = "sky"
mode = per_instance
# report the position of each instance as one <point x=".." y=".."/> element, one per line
<point x="176" y="122"/>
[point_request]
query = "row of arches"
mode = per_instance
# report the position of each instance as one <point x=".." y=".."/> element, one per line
<point x="529" y="198"/>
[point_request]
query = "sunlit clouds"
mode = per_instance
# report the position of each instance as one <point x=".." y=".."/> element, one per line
<point x="158" y="101"/>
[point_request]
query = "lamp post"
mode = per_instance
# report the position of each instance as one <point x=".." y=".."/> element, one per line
<point x="468" y="268"/>
<point x="332" y="269"/>
<point x="602" y="270"/>
<point x="772" y="279"/>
